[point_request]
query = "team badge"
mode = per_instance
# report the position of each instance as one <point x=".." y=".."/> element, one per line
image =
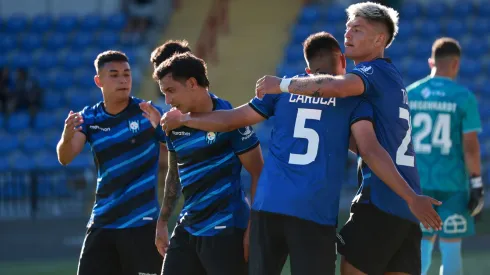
<point x="134" y="125"/>
<point x="210" y="137"/>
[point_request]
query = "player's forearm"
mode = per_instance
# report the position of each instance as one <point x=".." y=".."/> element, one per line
<point x="172" y="189"/>
<point x="472" y="160"/>
<point x="382" y="165"/>
<point x="253" y="188"/>
<point x="315" y="86"/>
<point x="217" y="121"/>
<point x="65" y="151"/>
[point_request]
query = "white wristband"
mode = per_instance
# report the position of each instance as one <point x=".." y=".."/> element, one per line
<point x="284" y="86"/>
<point x="476" y="182"/>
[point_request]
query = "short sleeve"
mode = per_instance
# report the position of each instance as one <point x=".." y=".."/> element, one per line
<point x="243" y="140"/>
<point x="264" y="106"/>
<point x="471" y="116"/>
<point x="159" y="133"/>
<point x="88" y="119"/>
<point x="363" y="111"/>
<point x="367" y="74"/>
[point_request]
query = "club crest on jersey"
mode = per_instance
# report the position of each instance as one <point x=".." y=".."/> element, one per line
<point x="246" y="132"/>
<point x="134" y="125"/>
<point x="210" y="137"/>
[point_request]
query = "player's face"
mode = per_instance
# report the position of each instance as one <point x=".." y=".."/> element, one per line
<point x="333" y="64"/>
<point x="115" y="80"/>
<point x="177" y="93"/>
<point x="359" y="38"/>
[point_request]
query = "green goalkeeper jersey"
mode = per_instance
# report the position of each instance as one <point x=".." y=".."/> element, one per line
<point x="442" y="111"/>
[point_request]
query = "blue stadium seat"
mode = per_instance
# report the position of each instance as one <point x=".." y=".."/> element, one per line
<point x="63" y="81"/>
<point x="430" y="29"/>
<point x="309" y="15"/>
<point x="462" y="9"/>
<point x="475" y="48"/>
<point x="108" y="40"/>
<point x="300" y="33"/>
<point x="397" y="49"/>
<point x="45" y="159"/>
<point x="44" y="120"/>
<point x="18" y="122"/>
<point x="436" y="10"/>
<point x="481" y="26"/>
<point x="294" y="53"/>
<point x="484" y="9"/>
<point x="32" y="142"/>
<point x="335" y="13"/>
<point x="31" y="41"/>
<point x="116" y="22"/>
<point x="410" y="10"/>
<point x="72" y="61"/>
<point x="53" y="136"/>
<point x="85" y="79"/>
<point x="406" y="30"/>
<point x="9" y="143"/>
<point x="41" y="23"/>
<point x="90" y="22"/>
<point x="82" y="40"/>
<point x="7" y="42"/>
<point x="56" y="41"/>
<point x="469" y="68"/>
<point x="66" y="23"/>
<point x="45" y="60"/>
<point x="455" y="28"/>
<point x="83" y="160"/>
<point x="15" y="24"/>
<point x="21" y="162"/>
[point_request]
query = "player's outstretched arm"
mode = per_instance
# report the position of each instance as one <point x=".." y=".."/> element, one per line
<point x="216" y="121"/>
<point x="473" y="164"/>
<point x="253" y="162"/>
<point x="382" y="165"/>
<point x="316" y="86"/>
<point x="72" y="140"/>
<point x="170" y="197"/>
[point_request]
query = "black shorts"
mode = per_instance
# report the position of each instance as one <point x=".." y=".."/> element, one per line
<point x="214" y="255"/>
<point x="376" y="242"/>
<point x="128" y="251"/>
<point x="311" y="246"/>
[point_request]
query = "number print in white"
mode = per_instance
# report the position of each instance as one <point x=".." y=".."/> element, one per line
<point x="401" y="157"/>
<point x="300" y="131"/>
<point x="441" y="133"/>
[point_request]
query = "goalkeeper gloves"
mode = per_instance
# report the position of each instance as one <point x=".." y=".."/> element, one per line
<point x="475" y="204"/>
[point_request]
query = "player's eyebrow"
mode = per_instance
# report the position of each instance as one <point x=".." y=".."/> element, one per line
<point x="115" y="71"/>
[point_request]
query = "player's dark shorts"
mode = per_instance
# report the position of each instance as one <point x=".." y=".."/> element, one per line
<point x="212" y="255"/>
<point x="376" y="242"/>
<point x="128" y="251"/>
<point x="311" y="246"/>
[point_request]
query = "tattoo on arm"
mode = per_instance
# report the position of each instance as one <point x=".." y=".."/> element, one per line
<point x="172" y="188"/>
<point x="309" y="86"/>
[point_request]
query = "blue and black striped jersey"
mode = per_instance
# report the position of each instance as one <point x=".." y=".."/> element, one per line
<point x="126" y="150"/>
<point x="209" y="172"/>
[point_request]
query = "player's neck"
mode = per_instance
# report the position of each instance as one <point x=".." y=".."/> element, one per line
<point x="371" y="57"/>
<point x="435" y="72"/>
<point x="115" y="107"/>
<point x="204" y="103"/>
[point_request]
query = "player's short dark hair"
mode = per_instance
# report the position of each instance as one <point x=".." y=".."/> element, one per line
<point x="167" y="49"/>
<point x="109" y="56"/>
<point x="318" y="44"/>
<point x="446" y="47"/>
<point x="182" y="67"/>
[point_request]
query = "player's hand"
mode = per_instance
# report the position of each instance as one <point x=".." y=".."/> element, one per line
<point x="72" y="125"/>
<point x="161" y="237"/>
<point x="421" y="207"/>
<point x="267" y="85"/>
<point x="475" y="205"/>
<point x="151" y="113"/>
<point x="171" y="120"/>
<point x="246" y="242"/>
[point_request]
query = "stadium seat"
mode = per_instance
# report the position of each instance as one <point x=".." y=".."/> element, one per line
<point x="31" y="42"/>
<point x="7" y="43"/>
<point x="9" y="143"/>
<point x="410" y="9"/>
<point x="435" y="10"/>
<point x="115" y="22"/>
<point x="335" y="13"/>
<point x="455" y="28"/>
<point x="15" y="24"/>
<point x="44" y="120"/>
<point x="18" y="122"/>
<point x="300" y="33"/>
<point x="308" y="15"/>
<point x="462" y="9"/>
<point x="56" y="41"/>
<point x="66" y="23"/>
<point x="90" y="22"/>
<point x="21" y="162"/>
<point x="46" y="160"/>
<point x="41" y="23"/>
<point x="481" y="26"/>
<point x="107" y="40"/>
<point x="406" y="30"/>
<point x="82" y="40"/>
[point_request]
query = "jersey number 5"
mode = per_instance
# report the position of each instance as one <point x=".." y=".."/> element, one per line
<point x="401" y="154"/>
<point x="300" y="131"/>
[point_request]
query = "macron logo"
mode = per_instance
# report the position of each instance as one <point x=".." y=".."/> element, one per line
<point x="181" y="133"/>
<point x="97" y="127"/>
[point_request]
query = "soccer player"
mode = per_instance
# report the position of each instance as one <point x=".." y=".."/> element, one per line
<point x="211" y="236"/>
<point x="120" y="235"/>
<point x="445" y="123"/>
<point x="297" y="198"/>
<point x="377" y="211"/>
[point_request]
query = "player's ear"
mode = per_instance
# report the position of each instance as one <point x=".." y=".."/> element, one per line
<point x="192" y="83"/>
<point x="455" y="64"/>
<point x="431" y="63"/>
<point x="97" y="81"/>
<point x="307" y="70"/>
<point x="343" y="61"/>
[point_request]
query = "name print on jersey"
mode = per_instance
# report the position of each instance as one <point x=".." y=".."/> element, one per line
<point x="312" y="100"/>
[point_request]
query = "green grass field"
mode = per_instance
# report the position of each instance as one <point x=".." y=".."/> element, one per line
<point x="476" y="261"/>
